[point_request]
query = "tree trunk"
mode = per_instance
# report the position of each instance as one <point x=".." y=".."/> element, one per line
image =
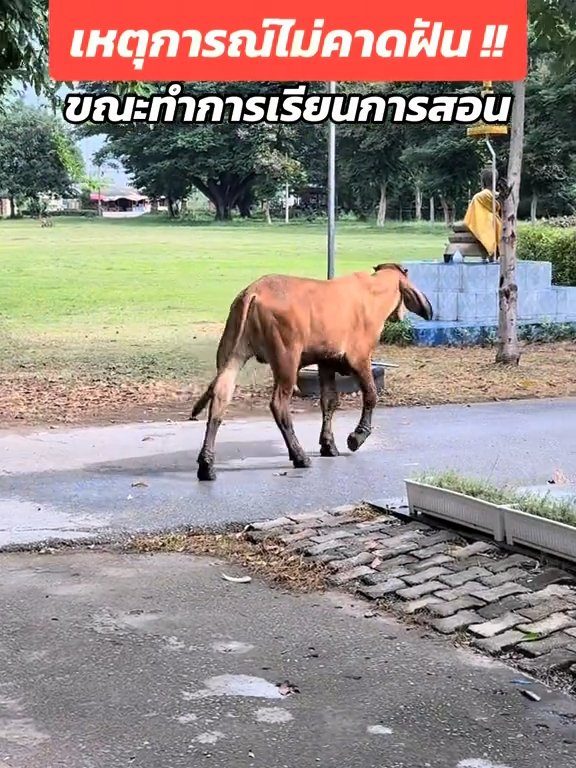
<point x="226" y="193"/>
<point x="244" y="206"/>
<point x="223" y="210"/>
<point x="267" y="216"/>
<point x="12" y="207"/>
<point x="448" y="211"/>
<point x="534" y="208"/>
<point x="432" y="211"/>
<point x="508" y="350"/>
<point x="222" y="203"/>
<point x="381" y="218"/>
<point x="173" y="207"/>
<point x="418" y="201"/>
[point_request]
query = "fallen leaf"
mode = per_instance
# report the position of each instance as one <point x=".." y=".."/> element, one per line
<point x="530" y="695"/>
<point x="287" y="688"/>
<point x="559" y="478"/>
<point x="140" y="484"/>
<point x="237" y="579"/>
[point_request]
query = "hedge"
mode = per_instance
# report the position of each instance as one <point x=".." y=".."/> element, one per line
<point x="537" y="243"/>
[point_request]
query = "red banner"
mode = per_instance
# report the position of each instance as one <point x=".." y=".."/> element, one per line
<point x="270" y="40"/>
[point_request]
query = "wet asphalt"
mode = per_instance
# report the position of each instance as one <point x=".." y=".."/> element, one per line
<point x="112" y="660"/>
<point x="105" y="482"/>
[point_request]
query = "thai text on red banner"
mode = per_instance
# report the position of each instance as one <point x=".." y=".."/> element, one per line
<point x="415" y="40"/>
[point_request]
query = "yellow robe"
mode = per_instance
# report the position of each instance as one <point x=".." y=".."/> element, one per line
<point x="480" y="222"/>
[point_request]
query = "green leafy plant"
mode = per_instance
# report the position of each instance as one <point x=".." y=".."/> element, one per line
<point x="400" y="333"/>
<point x="541" y="506"/>
<point x="551" y="244"/>
<point x="561" y="222"/>
<point x="547" y="332"/>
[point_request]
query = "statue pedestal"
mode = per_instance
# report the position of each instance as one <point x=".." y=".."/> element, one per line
<point x="463" y="240"/>
<point x="464" y="297"/>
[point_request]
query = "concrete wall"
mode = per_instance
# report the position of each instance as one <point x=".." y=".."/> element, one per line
<point x="467" y="293"/>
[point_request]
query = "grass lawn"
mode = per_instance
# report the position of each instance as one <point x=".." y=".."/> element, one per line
<point x="148" y="296"/>
<point x="95" y="312"/>
<point x="148" y="272"/>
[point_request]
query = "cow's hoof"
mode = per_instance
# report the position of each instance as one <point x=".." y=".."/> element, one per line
<point x="329" y="450"/>
<point x="206" y="472"/>
<point x="302" y="462"/>
<point x="355" y="441"/>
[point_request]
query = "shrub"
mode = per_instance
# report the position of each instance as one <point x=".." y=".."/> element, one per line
<point x="556" y="245"/>
<point x="562" y="222"/>
<point x="541" y="333"/>
<point x="398" y="332"/>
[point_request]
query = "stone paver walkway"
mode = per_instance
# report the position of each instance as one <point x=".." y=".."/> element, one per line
<point x="501" y="602"/>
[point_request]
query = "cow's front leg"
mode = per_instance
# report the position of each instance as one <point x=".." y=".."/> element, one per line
<point x="363" y="372"/>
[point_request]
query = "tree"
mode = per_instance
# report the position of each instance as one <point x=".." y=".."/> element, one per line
<point x="417" y="175"/>
<point x="549" y="144"/>
<point x="23" y="43"/>
<point x="508" y="351"/>
<point x="554" y="26"/>
<point x="445" y="163"/>
<point x="368" y="162"/>
<point x="274" y="170"/>
<point x="368" y="158"/>
<point x="37" y="154"/>
<point x="151" y="156"/>
<point x="225" y="161"/>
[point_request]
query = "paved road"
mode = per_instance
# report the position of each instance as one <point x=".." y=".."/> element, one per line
<point x="123" y="660"/>
<point x="78" y="483"/>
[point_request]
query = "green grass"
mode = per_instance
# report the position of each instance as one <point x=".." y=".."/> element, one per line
<point x="136" y="292"/>
<point x="542" y="506"/>
<point x="124" y="270"/>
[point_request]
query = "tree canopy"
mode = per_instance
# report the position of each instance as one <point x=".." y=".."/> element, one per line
<point x="23" y="43"/>
<point x="37" y="154"/>
<point x="378" y="166"/>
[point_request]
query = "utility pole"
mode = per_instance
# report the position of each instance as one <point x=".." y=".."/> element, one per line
<point x="331" y="189"/>
<point x="100" y="190"/>
<point x="287" y="203"/>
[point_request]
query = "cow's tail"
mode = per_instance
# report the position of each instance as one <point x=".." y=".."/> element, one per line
<point x="228" y="346"/>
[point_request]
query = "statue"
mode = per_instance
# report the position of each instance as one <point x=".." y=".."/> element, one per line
<point x="479" y="234"/>
<point x="480" y="216"/>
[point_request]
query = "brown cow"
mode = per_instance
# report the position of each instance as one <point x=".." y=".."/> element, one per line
<point x="292" y="322"/>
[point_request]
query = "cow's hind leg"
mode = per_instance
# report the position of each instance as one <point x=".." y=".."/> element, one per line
<point x="363" y="372"/>
<point x="329" y="403"/>
<point x="284" y="381"/>
<point x="222" y="391"/>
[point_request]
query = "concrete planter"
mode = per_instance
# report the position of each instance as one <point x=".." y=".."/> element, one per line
<point x="502" y="523"/>
<point x="538" y="533"/>
<point x="456" y="508"/>
<point x="309" y="384"/>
